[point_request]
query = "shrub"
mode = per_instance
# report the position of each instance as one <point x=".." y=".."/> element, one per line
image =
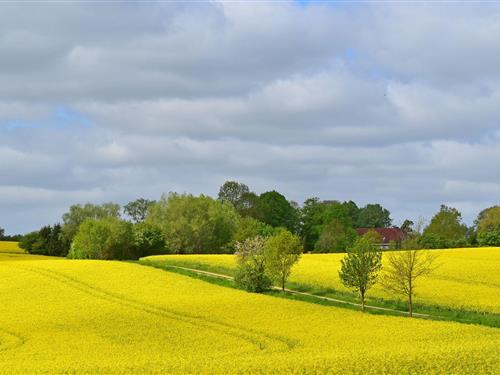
<point x="491" y="238"/>
<point x="251" y="271"/>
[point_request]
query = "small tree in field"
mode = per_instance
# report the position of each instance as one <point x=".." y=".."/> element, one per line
<point x="251" y="271"/>
<point x="403" y="268"/>
<point x="282" y="251"/>
<point x="360" y="267"/>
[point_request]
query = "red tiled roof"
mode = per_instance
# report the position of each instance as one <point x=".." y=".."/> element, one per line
<point x="387" y="234"/>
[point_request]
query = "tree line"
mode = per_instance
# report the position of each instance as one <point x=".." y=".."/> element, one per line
<point x="184" y="223"/>
<point x="4" y="237"/>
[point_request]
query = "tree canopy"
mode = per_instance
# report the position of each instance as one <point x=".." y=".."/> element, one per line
<point x="488" y="227"/>
<point x="138" y="210"/>
<point x="234" y="192"/>
<point x="107" y="238"/>
<point x="77" y="214"/>
<point x="193" y="224"/>
<point x="360" y="267"/>
<point x="335" y="237"/>
<point x="281" y="252"/>
<point x="445" y="229"/>
<point x="374" y="216"/>
<point x="275" y="210"/>
<point x="316" y="215"/>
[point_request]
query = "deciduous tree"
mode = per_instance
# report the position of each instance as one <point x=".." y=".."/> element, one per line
<point x="77" y="214"/>
<point x="282" y="251"/>
<point x="360" y="267"/>
<point x="488" y="227"/>
<point x="275" y="210"/>
<point x="445" y="229"/>
<point x="335" y="238"/>
<point x="248" y="227"/>
<point x="374" y="216"/>
<point x="108" y="238"/>
<point x="403" y="268"/>
<point x="138" y="209"/>
<point x="233" y="192"/>
<point x="194" y="224"/>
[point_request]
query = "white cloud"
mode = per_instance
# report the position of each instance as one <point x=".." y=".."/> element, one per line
<point x="395" y="104"/>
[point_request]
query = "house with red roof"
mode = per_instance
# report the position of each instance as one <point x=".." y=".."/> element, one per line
<point x="389" y="236"/>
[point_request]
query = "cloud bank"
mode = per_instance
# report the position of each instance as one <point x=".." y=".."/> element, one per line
<point x="396" y="104"/>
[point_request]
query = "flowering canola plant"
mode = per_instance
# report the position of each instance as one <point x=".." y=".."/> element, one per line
<point x="10" y="247"/>
<point x="82" y="316"/>
<point x="467" y="278"/>
<point x="10" y="251"/>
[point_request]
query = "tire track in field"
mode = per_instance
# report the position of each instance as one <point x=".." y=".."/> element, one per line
<point x="10" y="340"/>
<point x="260" y="340"/>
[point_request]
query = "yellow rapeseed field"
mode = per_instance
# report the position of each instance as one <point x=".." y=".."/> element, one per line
<point x="69" y="316"/>
<point x="466" y="278"/>
<point x="10" y="251"/>
<point x="10" y="247"/>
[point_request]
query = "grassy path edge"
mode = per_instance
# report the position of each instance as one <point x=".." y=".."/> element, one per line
<point x="189" y="271"/>
<point x="292" y="291"/>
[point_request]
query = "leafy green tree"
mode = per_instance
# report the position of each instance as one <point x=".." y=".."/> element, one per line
<point x="374" y="216"/>
<point x="360" y="267"/>
<point x="194" y="224"/>
<point x="248" y="227"/>
<point x="275" y="210"/>
<point x="352" y="211"/>
<point x="28" y="242"/>
<point x="234" y="193"/>
<point x="335" y="238"/>
<point x="55" y="242"/>
<point x="251" y="267"/>
<point x="407" y="226"/>
<point x="413" y="238"/>
<point x="312" y="215"/>
<point x="316" y="215"/>
<point x="488" y="227"/>
<point x="46" y="241"/>
<point x="77" y="214"/>
<point x="281" y="252"/>
<point x="147" y="239"/>
<point x="248" y="205"/>
<point x="2" y="233"/>
<point x="138" y="209"/>
<point x="108" y="238"/>
<point x="445" y="230"/>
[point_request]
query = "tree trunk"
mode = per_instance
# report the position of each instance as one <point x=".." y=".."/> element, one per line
<point x="362" y="301"/>
<point x="410" y="302"/>
<point x="283" y="283"/>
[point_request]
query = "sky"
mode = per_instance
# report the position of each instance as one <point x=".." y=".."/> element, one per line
<point x="392" y="103"/>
